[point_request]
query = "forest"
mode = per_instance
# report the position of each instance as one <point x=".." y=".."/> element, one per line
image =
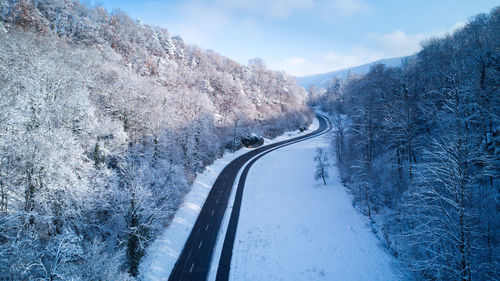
<point x="104" y="124"/>
<point x="418" y="146"/>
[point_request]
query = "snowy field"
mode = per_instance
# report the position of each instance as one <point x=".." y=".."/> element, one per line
<point x="165" y="250"/>
<point x="292" y="227"/>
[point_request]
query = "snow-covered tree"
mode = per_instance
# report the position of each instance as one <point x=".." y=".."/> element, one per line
<point x="420" y="153"/>
<point x="104" y="123"/>
<point x="322" y="165"/>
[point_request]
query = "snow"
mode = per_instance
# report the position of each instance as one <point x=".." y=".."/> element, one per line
<point x="294" y="228"/>
<point x="225" y="221"/>
<point x="291" y="227"/>
<point x="162" y="254"/>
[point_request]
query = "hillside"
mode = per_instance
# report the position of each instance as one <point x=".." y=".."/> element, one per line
<point x="321" y="80"/>
<point x="418" y="146"/>
<point x="104" y="124"/>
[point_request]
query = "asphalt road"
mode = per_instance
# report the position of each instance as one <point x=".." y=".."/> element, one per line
<point x="194" y="260"/>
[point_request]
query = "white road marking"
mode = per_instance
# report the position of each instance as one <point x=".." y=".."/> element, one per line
<point x="216" y="202"/>
<point x="206" y="227"/>
<point x="191" y="269"/>
<point x="212" y="213"/>
<point x="199" y="246"/>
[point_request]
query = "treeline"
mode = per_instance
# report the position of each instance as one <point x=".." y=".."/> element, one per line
<point x="104" y="123"/>
<point x="419" y="148"/>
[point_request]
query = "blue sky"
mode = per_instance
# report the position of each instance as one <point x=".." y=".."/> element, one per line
<point x="305" y="36"/>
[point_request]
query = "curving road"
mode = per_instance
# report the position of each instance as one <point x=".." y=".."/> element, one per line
<point x="194" y="260"/>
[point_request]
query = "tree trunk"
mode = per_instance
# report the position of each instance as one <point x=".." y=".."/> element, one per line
<point x="367" y="202"/>
<point x="133" y="252"/>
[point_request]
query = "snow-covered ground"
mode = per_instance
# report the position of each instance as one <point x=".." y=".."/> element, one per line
<point x="292" y="227"/>
<point x="165" y="250"/>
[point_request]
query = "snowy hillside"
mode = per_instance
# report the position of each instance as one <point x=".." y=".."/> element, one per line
<point x="320" y="80"/>
<point x="104" y="124"/>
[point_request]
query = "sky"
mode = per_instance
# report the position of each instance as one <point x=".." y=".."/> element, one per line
<point x="304" y="37"/>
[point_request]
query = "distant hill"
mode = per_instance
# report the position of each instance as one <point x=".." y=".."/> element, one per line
<point x="320" y="80"/>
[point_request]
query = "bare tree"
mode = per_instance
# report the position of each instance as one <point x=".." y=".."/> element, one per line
<point x="322" y="165"/>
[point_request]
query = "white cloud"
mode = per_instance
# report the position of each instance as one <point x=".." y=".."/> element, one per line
<point x="388" y="45"/>
<point x="279" y="9"/>
<point x="296" y="61"/>
<point x="397" y="43"/>
<point x="327" y="62"/>
<point x="270" y="8"/>
<point x="358" y="56"/>
<point x="204" y="22"/>
<point x="296" y="66"/>
<point x="350" y="7"/>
